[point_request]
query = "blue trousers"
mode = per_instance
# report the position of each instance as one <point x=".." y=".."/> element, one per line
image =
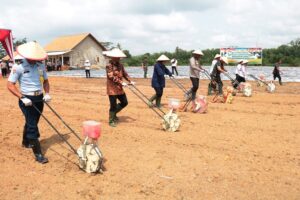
<point x="32" y="117"/>
<point x="159" y="91"/>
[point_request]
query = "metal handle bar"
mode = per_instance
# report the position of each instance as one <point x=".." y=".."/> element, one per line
<point x="63" y="121"/>
<point x="257" y="79"/>
<point x="145" y="97"/>
<point x="207" y="74"/>
<point x="52" y="126"/>
<point x="179" y="85"/>
<point x="228" y="76"/>
<point x="138" y="95"/>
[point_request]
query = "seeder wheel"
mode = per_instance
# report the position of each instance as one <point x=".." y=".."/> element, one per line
<point x="171" y="122"/>
<point x="90" y="158"/>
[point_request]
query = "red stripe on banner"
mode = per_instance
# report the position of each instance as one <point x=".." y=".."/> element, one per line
<point x="7" y="42"/>
<point x="4" y="33"/>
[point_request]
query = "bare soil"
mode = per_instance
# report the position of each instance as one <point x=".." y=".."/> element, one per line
<point x="249" y="149"/>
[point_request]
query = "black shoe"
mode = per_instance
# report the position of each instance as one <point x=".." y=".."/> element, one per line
<point x="26" y="144"/>
<point x="37" y="151"/>
<point x="40" y="158"/>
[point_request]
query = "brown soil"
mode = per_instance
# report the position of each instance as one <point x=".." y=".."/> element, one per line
<point x="246" y="150"/>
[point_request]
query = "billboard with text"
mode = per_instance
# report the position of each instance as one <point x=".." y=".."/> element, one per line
<point x="253" y="55"/>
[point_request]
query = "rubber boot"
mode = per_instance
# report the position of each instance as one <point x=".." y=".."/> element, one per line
<point x="209" y="89"/>
<point x="235" y="84"/>
<point x="36" y="148"/>
<point x="119" y="108"/>
<point x="158" y="99"/>
<point x="111" y="121"/>
<point x="25" y="141"/>
<point x="150" y="103"/>
<point x="193" y="96"/>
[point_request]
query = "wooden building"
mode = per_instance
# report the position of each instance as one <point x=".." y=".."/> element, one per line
<point x="73" y="50"/>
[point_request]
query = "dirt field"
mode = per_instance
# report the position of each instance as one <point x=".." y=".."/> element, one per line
<point x="246" y="150"/>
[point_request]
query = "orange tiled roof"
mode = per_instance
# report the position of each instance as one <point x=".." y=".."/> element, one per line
<point x="65" y="43"/>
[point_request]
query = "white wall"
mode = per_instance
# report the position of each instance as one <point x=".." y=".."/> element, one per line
<point x="87" y="49"/>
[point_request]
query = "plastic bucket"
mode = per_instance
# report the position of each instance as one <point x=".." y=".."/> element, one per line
<point x="174" y="103"/>
<point x="200" y="104"/>
<point x="92" y="129"/>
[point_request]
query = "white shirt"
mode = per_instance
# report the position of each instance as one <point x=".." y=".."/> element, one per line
<point x="241" y="70"/>
<point x="212" y="66"/>
<point x="174" y="63"/>
<point x="87" y="65"/>
<point x="3" y="65"/>
<point x="10" y="65"/>
<point x="194" y="68"/>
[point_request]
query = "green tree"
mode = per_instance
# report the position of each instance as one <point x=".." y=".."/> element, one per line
<point x="107" y="45"/>
<point x="19" y="42"/>
<point x="119" y="46"/>
<point x="127" y="53"/>
<point x="16" y="43"/>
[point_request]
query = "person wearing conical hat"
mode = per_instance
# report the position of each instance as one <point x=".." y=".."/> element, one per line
<point x="240" y="73"/>
<point x="216" y="74"/>
<point x="115" y="73"/>
<point x="195" y="68"/>
<point x="87" y="67"/>
<point x="158" y="79"/>
<point x="216" y="61"/>
<point x="32" y="77"/>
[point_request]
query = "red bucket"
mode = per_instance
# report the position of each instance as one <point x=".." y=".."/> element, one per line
<point x="92" y="129"/>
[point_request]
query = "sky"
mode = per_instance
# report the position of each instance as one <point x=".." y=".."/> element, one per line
<point x="142" y="26"/>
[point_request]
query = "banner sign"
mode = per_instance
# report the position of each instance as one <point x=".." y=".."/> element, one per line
<point x="7" y="42"/>
<point x="234" y="55"/>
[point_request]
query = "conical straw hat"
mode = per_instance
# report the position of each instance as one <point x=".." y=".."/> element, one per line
<point x="115" y="53"/>
<point x="163" y="58"/>
<point x="217" y="56"/>
<point x="225" y="60"/>
<point x="245" y="61"/>
<point x="199" y="52"/>
<point x="32" y="51"/>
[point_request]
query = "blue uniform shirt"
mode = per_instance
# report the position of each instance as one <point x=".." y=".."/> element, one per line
<point x="28" y="76"/>
<point x="158" y="78"/>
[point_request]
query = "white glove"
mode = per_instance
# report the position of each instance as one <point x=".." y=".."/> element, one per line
<point x="124" y="84"/>
<point x="26" y="101"/>
<point x="132" y="83"/>
<point x="47" y="98"/>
